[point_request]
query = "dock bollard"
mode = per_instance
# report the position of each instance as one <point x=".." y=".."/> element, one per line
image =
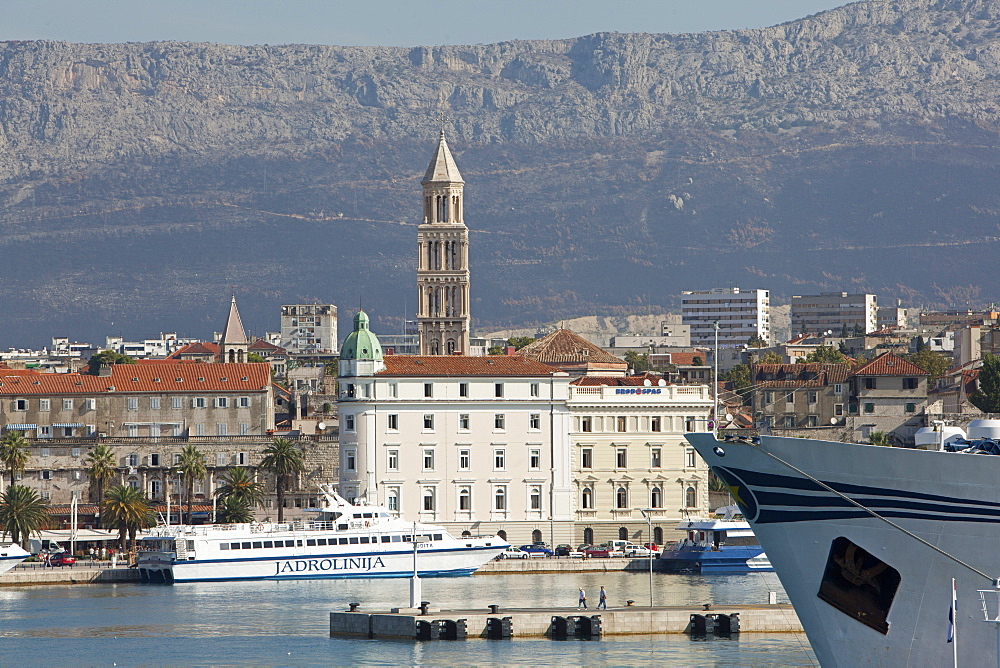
<point x="423" y="607"/>
<point x="629" y="603"/>
<point x="494" y="609"/>
<point x="354" y="607"/>
<point x="707" y="606"/>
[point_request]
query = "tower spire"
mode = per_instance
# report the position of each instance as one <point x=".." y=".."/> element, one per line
<point x="233" y="343"/>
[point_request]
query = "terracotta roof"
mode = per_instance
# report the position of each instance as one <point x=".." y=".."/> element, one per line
<point x="616" y="381"/>
<point x="199" y="348"/>
<point x="808" y="374"/>
<point x="888" y="364"/>
<point x="563" y="345"/>
<point x="686" y="359"/>
<point x="132" y="378"/>
<point x="461" y="365"/>
<point x="260" y="345"/>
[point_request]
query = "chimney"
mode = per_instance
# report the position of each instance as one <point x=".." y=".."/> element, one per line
<point x="104" y="370"/>
<point x="510" y="350"/>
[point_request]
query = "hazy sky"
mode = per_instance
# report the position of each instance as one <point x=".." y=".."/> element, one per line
<point x="380" y="22"/>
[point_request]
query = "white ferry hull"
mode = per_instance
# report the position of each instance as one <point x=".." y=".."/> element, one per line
<point x="11" y="554"/>
<point x="329" y="565"/>
<point x="841" y="597"/>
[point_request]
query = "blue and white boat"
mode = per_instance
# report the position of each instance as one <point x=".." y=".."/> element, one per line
<point x="723" y="544"/>
<point x="11" y="554"/>
<point x="345" y="541"/>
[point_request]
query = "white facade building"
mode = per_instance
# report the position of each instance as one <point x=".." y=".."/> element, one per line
<point x="839" y="313"/>
<point x="308" y="328"/>
<point x="740" y="314"/>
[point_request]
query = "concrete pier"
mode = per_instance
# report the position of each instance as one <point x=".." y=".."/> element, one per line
<point x="566" y="565"/>
<point x="538" y="622"/>
<point x="34" y="574"/>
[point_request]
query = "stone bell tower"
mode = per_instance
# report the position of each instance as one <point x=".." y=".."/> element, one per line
<point x="443" y="262"/>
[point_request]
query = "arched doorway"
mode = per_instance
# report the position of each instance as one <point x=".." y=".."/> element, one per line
<point x="588" y="536"/>
<point x="622" y="533"/>
<point x="536" y="536"/>
<point x="502" y="534"/>
<point x="658" y="535"/>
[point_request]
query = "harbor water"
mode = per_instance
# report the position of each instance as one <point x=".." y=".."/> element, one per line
<point x="287" y="623"/>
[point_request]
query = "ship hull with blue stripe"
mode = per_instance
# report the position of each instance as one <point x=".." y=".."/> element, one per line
<point x="872" y="590"/>
<point x="11" y="554"/>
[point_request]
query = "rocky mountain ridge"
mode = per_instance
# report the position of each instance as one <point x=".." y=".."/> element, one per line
<point x="854" y="149"/>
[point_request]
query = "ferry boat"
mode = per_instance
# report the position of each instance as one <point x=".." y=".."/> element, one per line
<point x="723" y="544"/>
<point x="866" y="541"/>
<point x="344" y="541"/>
<point x="11" y="554"/>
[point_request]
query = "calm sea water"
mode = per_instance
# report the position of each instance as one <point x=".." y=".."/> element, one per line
<point x="287" y="623"/>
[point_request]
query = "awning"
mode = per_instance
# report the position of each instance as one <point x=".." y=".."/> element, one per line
<point x="65" y="535"/>
<point x="67" y="424"/>
<point x="21" y="427"/>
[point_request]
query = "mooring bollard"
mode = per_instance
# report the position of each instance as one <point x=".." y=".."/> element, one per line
<point x="423" y="607"/>
<point x="354" y="607"/>
<point x="494" y="609"/>
<point x="707" y="606"/>
<point x="629" y="603"/>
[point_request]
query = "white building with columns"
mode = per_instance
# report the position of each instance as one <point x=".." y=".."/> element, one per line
<point x="477" y="444"/>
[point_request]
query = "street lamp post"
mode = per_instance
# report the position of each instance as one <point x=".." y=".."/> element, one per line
<point x="646" y="512"/>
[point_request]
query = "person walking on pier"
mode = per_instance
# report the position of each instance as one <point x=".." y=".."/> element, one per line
<point x="603" y="602"/>
<point x="583" y="600"/>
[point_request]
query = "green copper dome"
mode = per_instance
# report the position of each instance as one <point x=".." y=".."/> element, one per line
<point x="361" y="344"/>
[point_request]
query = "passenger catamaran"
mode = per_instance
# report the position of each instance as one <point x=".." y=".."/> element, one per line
<point x="345" y="541"/>
<point x="866" y="541"/>
<point x="11" y="554"/>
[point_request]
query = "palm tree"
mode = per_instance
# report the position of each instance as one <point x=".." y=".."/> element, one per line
<point x="192" y="467"/>
<point x="239" y="483"/>
<point x="282" y="458"/>
<point x="234" y="510"/>
<point x="126" y="509"/>
<point x="14" y="453"/>
<point x="22" y="512"/>
<point x="100" y="469"/>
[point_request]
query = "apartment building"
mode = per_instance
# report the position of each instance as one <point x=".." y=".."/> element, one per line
<point x="836" y="313"/>
<point x="309" y="328"/>
<point x="740" y="314"/>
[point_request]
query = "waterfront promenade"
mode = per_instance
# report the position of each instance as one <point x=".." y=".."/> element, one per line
<point x="84" y="572"/>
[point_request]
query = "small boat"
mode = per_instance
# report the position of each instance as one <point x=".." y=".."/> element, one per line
<point x="11" y="555"/>
<point x="344" y="541"/>
<point x="871" y="543"/>
<point x="723" y="544"/>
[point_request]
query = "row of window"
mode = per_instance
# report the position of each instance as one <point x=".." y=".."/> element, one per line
<point x="464" y="459"/>
<point x="622" y="501"/>
<point x="634" y="423"/>
<point x="464" y="422"/>
<point x="621" y="458"/>
<point x="363" y="390"/>
<point x="132" y="403"/>
<point x="314" y="542"/>
<point x="429" y="499"/>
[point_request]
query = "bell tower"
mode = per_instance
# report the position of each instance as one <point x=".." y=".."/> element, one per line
<point x="443" y="259"/>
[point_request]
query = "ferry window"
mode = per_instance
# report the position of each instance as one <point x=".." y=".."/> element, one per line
<point x="859" y="584"/>
<point x="353" y="540"/>
<point x="342" y="541"/>
<point x="224" y="546"/>
<point x="236" y="546"/>
<point x="246" y="546"/>
<point x="311" y="542"/>
<point x="298" y="543"/>
<point x="367" y="515"/>
<point x="437" y="536"/>
<point x="364" y="539"/>
<point x="386" y="539"/>
<point x="319" y="541"/>
<point x="289" y="543"/>
<point x="268" y="544"/>
<point x="257" y="544"/>
<point x="397" y="539"/>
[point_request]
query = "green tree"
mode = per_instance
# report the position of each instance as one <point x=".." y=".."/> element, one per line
<point x="14" y="453"/>
<point x="519" y="341"/>
<point x="638" y="363"/>
<point x="769" y="357"/>
<point x="126" y="509"/>
<point x="495" y="350"/>
<point x="107" y="357"/>
<point x="192" y="467"/>
<point x="255" y="358"/>
<point x="756" y="341"/>
<point x="22" y="512"/>
<point x="282" y="458"/>
<point x="100" y="463"/>
<point x="826" y="355"/>
<point x="739" y="378"/>
<point x="932" y="362"/>
<point x="234" y="510"/>
<point x="697" y="361"/>
<point x="239" y="483"/>
<point x="987" y="397"/>
<point x="879" y="438"/>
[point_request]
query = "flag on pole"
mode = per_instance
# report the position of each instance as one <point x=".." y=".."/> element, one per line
<point x="951" y="612"/>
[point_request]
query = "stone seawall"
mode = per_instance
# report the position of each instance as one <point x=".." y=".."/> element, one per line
<point x="21" y="576"/>
<point x="564" y="565"/>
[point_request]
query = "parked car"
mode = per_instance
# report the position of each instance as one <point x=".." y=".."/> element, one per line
<point x="597" y="551"/>
<point x="651" y="546"/>
<point x="638" y="551"/>
<point x="536" y="550"/>
<point x="568" y="551"/>
<point x="62" y="559"/>
<point x="513" y="553"/>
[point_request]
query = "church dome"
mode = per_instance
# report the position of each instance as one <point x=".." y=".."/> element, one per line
<point x="361" y="344"/>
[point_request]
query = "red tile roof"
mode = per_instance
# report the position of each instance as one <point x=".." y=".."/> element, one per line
<point x="808" y="374"/>
<point x="133" y="378"/>
<point x="200" y="348"/>
<point x="686" y="359"/>
<point x="563" y="346"/>
<point x="260" y="345"/>
<point x="616" y="381"/>
<point x="461" y="365"/>
<point x="888" y="364"/>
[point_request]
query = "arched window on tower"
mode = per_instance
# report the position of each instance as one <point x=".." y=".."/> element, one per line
<point x="435" y="348"/>
<point x="451" y="346"/>
<point x="232" y="355"/>
<point x="454" y="255"/>
<point x="442" y="209"/>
